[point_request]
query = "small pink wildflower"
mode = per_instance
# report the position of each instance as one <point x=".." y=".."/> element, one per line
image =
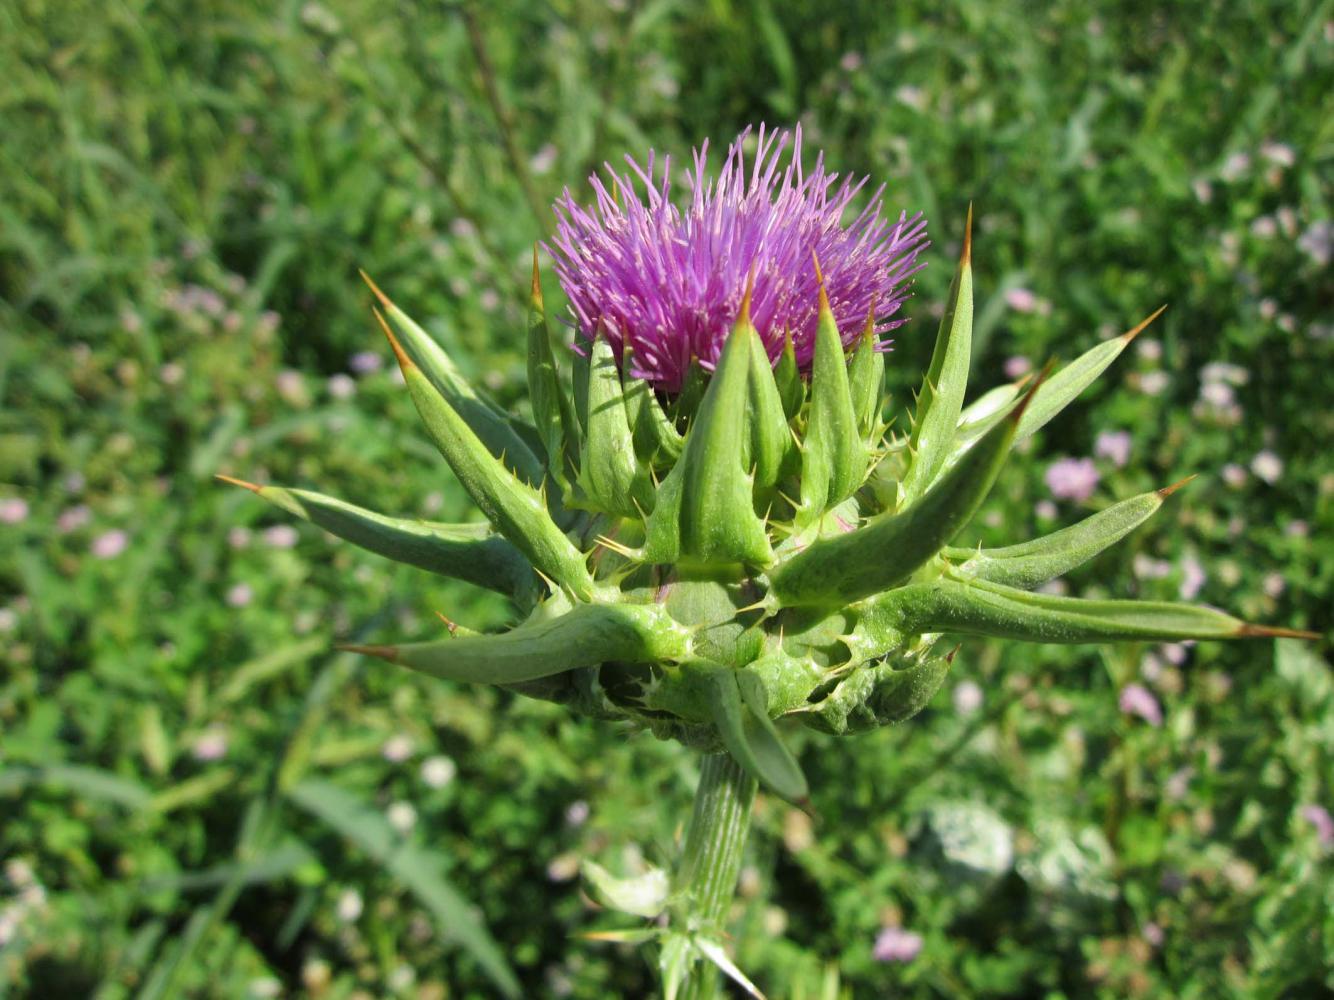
<point x="894" y="944"/>
<point x="110" y="544"/>
<point x="1072" y="479"/>
<point x="1136" y="699"/>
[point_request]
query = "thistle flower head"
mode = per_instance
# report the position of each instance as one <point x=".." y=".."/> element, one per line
<point x="667" y="280"/>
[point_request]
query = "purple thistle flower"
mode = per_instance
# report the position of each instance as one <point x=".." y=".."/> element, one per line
<point x="668" y="280"/>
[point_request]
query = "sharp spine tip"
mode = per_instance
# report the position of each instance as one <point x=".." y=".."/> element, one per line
<point x="1248" y="631"/>
<point x="401" y="355"/>
<point x="375" y="289"/>
<point x="1167" y="491"/>
<point x="252" y="487"/>
<point x="966" y="257"/>
<point x="1135" y="331"/>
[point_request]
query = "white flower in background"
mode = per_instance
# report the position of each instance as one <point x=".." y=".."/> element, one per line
<point x="1267" y="466"/>
<point x="438" y="771"/>
<point x="967" y="697"/>
<point x="349" y="906"/>
<point x="397" y="748"/>
<point x="402" y="817"/>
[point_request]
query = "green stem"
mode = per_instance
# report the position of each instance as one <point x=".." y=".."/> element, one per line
<point x="711" y="861"/>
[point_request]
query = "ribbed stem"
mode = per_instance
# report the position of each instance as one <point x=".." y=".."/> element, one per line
<point x="711" y="861"/>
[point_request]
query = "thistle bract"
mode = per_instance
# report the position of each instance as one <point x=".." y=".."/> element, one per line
<point x="707" y="528"/>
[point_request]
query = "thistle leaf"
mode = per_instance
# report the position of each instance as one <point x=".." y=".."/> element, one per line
<point x="844" y="568"/>
<point x="609" y="472"/>
<point x="741" y="714"/>
<point x="514" y="507"/>
<point x="470" y="552"/>
<point x="981" y="608"/>
<point x="553" y="411"/>
<point x="657" y="441"/>
<point x="770" y="440"/>
<point x="585" y="636"/>
<point x="641" y="895"/>
<point x="691" y="395"/>
<point x="833" y="457"/>
<point x="1063" y="386"/>
<point x="878" y="694"/>
<point x="791" y="389"/>
<point x="866" y="380"/>
<point x="940" y="400"/>
<point x="704" y="514"/>
<point x="1031" y="564"/>
<point x="490" y="425"/>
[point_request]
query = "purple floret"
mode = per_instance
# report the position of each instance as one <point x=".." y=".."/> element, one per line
<point x="668" y="281"/>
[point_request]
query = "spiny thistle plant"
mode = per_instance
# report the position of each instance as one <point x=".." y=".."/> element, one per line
<point x="709" y="526"/>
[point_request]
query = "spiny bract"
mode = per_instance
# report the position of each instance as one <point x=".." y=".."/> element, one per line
<point x="754" y="546"/>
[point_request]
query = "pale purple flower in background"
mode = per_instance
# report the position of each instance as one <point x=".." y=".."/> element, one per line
<point x="1264" y="227"/>
<point x="13" y="510"/>
<point x="1016" y="367"/>
<point x="74" y="483"/>
<point x="1136" y="699"/>
<point x="365" y="362"/>
<point x="1318" y="241"/>
<point x="1149" y="349"/>
<point x="1022" y="300"/>
<point x="1234" y="167"/>
<point x="1318" y="816"/>
<point x="110" y="544"/>
<point x="1273" y="585"/>
<point x="1234" y="475"/>
<point x="914" y="97"/>
<point x="438" y="771"/>
<point x="967" y="697"/>
<point x="1219" y="395"/>
<point x="1045" y="510"/>
<point x="1056" y="588"/>
<point x="1223" y="371"/>
<point x="238" y="537"/>
<point x="851" y="62"/>
<point x="9" y="619"/>
<point x="1113" y="446"/>
<point x="397" y="748"/>
<point x="240" y="595"/>
<point x="1178" y="784"/>
<point x="543" y="160"/>
<point x="462" y="228"/>
<point x="402" y="816"/>
<point x="1297" y="529"/>
<point x="1267" y="466"/>
<point x="577" y="813"/>
<point x="1268" y="308"/>
<point x="668" y="280"/>
<point x="1153" y="934"/>
<point x="172" y="373"/>
<point x="1204" y="191"/>
<point x="1151" y="667"/>
<point x="210" y="745"/>
<point x="489" y="300"/>
<point x="290" y="385"/>
<point x="1175" y="653"/>
<point x="341" y="386"/>
<point x="280" y="536"/>
<point x="1279" y="153"/>
<point x="1072" y="479"/>
<point x="1145" y="567"/>
<point x="1154" y="383"/>
<point x="1193" y="578"/>
<point x="894" y="944"/>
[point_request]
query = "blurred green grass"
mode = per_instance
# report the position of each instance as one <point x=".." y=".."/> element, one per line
<point x="188" y="190"/>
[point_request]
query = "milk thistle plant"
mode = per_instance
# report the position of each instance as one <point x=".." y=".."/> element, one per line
<point x="709" y="528"/>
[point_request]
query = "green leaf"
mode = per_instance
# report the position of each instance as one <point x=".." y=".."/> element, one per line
<point x="641" y="895"/>
<point x="704" y="515"/>
<point x="833" y="456"/>
<point x="515" y="508"/>
<point x="879" y="694"/>
<point x="470" y="552"/>
<point x="585" y="636"/>
<point x="1063" y="386"/>
<point x="1031" y="564"/>
<point x="691" y="395"/>
<point x="787" y="376"/>
<point x="609" y="472"/>
<point x="841" y="569"/>
<point x="770" y="439"/>
<point x="982" y="608"/>
<point x="86" y="782"/>
<point x="490" y="426"/>
<point x="418" y="870"/>
<point x="940" y="400"/>
<point x="713" y="951"/>
<point x="553" y="410"/>
<point x="741" y="714"/>
<point x="866" y="380"/>
<point x="657" y="441"/>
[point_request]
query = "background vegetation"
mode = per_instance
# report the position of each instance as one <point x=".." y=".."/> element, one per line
<point x="200" y="799"/>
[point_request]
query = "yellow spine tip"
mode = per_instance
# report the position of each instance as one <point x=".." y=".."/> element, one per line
<point x="404" y="361"/>
<point x="1167" y="491"/>
<point x="375" y="289"/>
<point x="966" y="257"/>
<point x="819" y="275"/>
<point x="537" y="281"/>
<point x="743" y="316"/>
<point x="1134" y="332"/>
<point x="1248" y="631"/>
<point x="252" y="487"/>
